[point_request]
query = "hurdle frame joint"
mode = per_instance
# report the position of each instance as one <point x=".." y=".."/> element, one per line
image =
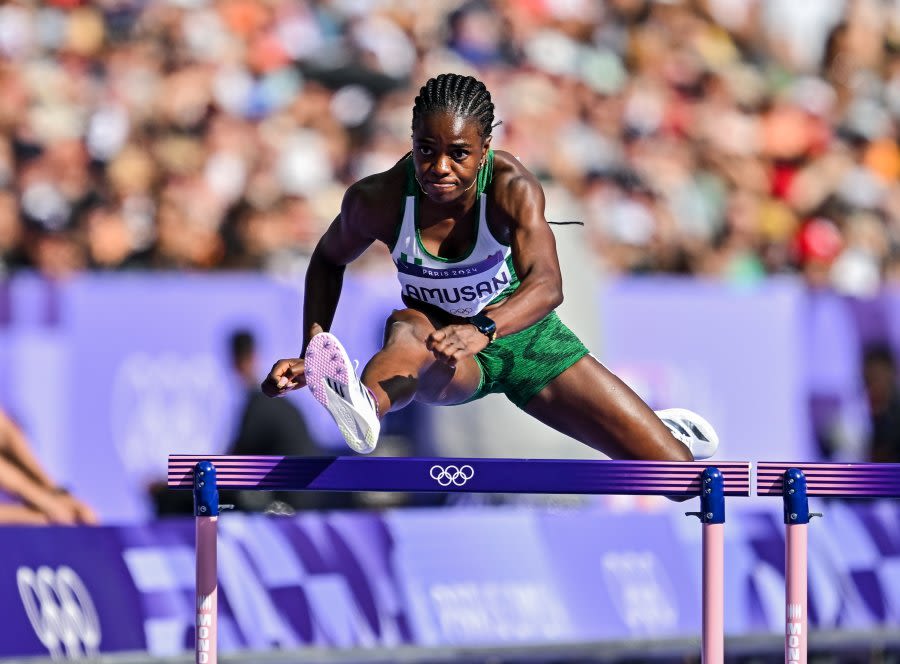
<point x="712" y="497"/>
<point x="796" y="498"/>
<point x="206" y="493"/>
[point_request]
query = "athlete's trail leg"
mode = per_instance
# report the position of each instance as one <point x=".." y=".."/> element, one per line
<point x="591" y="404"/>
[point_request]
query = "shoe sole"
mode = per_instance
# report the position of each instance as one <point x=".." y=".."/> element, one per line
<point x="326" y="359"/>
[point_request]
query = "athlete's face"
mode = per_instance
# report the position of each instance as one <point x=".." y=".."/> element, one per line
<point x="447" y="151"/>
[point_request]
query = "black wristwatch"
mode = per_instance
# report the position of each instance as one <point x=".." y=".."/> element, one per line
<point x="485" y="325"/>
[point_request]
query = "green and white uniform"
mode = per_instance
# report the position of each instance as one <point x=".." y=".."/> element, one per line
<point x="519" y="365"/>
<point x="460" y="286"/>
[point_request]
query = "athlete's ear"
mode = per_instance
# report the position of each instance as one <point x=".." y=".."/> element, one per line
<point x="485" y="145"/>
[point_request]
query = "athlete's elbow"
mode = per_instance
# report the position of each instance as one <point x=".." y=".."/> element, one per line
<point x="555" y="295"/>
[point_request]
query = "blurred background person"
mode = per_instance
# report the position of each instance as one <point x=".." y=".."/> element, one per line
<point x="265" y="427"/>
<point x="883" y="394"/>
<point x="271" y="427"/>
<point x="27" y="494"/>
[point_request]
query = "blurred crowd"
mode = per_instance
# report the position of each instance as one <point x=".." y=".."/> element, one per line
<point x="732" y="139"/>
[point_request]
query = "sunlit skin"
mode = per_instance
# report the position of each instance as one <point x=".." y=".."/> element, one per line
<point x="428" y="356"/>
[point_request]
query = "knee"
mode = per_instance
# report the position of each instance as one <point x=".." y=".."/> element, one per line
<point x="403" y="329"/>
<point x="680" y="452"/>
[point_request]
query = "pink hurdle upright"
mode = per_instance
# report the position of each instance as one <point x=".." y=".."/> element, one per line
<point x="206" y="515"/>
<point x="795" y="482"/>
<point x="205" y="475"/>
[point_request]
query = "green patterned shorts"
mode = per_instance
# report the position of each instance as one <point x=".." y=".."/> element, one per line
<point x="522" y="364"/>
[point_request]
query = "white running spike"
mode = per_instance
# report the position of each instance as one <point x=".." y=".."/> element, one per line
<point x="343" y="395"/>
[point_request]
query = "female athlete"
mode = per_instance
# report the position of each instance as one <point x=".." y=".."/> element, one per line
<point x="480" y="280"/>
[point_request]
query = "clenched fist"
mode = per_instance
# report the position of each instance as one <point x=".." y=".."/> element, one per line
<point x="288" y="374"/>
<point x="452" y="343"/>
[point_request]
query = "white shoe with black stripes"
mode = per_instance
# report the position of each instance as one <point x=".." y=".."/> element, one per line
<point x="332" y="379"/>
<point x="695" y="432"/>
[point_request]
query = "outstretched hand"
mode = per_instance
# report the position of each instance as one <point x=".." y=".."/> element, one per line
<point x="453" y="343"/>
<point x="288" y="374"/>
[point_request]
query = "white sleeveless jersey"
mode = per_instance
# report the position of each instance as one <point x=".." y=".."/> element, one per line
<point x="462" y="286"/>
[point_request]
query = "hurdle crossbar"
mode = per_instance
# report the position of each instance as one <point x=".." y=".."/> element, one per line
<point x="841" y="480"/>
<point x="795" y="482"/>
<point x="396" y="474"/>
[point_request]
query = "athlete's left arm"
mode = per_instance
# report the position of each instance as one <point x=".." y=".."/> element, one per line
<point x="519" y="205"/>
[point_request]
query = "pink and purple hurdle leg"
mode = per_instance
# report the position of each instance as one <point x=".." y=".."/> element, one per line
<point x="206" y="511"/>
<point x="712" y="514"/>
<point x="796" y="520"/>
<point x="795" y="595"/>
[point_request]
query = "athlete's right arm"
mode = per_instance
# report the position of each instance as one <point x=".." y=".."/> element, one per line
<point x="346" y="238"/>
<point x="344" y="241"/>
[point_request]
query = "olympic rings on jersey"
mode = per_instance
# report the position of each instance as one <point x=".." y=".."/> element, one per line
<point x="457" y="475"/>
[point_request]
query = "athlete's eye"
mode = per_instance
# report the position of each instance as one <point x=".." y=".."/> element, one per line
<point x="425" y="151"/>
<point x="459" y="155"/>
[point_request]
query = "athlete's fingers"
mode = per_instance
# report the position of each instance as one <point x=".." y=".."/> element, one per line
<point x="434" y="338"/>
<point x="295" y="370"/>
<point x="315" y="329"/>
<point x="278" y="380"/>
<point x="294" y="377"/>
<point x="278" y="370"/>
<point x="442" y="353"/>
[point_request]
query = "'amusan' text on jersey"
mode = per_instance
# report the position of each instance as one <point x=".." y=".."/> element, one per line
<point x="462" y="286"/>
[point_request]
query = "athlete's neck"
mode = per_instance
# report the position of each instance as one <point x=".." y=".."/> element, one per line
<point x="456" y="209"/>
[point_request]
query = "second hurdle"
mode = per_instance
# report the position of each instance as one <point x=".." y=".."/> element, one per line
<point x="795" y="483"/>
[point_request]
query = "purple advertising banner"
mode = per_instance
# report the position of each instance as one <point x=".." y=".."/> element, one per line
<point x="64" y="592"/>
<point x="776" y="368"/>
<point x="141" y="370"/>
<point x="434" y="577"/>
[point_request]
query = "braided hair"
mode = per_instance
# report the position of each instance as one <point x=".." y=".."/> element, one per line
<point x="464" y="96"/>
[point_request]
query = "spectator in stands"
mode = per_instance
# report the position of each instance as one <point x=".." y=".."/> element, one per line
<point x="27" y="494"/>
<point x="271" y="427"/>
<point x="880" y="376"/>
<point x="220" y="135"/>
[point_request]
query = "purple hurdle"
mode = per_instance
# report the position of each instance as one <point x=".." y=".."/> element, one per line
<point x="205" y="474"/>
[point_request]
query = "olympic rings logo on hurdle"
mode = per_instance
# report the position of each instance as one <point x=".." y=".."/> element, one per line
<point x="457" y="475"/>
<point x="60" y="610"/>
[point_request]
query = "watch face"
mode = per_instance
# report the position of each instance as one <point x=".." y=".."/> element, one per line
<point x="484" y="324"/>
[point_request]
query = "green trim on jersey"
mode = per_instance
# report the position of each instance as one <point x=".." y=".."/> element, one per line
<point x="513" y="282"/>
<point x="441" y="258"/>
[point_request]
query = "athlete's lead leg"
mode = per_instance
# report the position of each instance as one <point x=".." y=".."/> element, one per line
<point x="404" y="369"/>
<point x="401" y="371"/>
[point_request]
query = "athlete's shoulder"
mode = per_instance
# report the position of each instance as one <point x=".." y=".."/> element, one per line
<point x="514" y="187"/>
<point x="375" y="200"/>
<point x="508" y="169"/>
<point x="379" y="188"/>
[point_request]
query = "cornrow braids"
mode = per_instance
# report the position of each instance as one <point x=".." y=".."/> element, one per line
<point x="464" y="96"/>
